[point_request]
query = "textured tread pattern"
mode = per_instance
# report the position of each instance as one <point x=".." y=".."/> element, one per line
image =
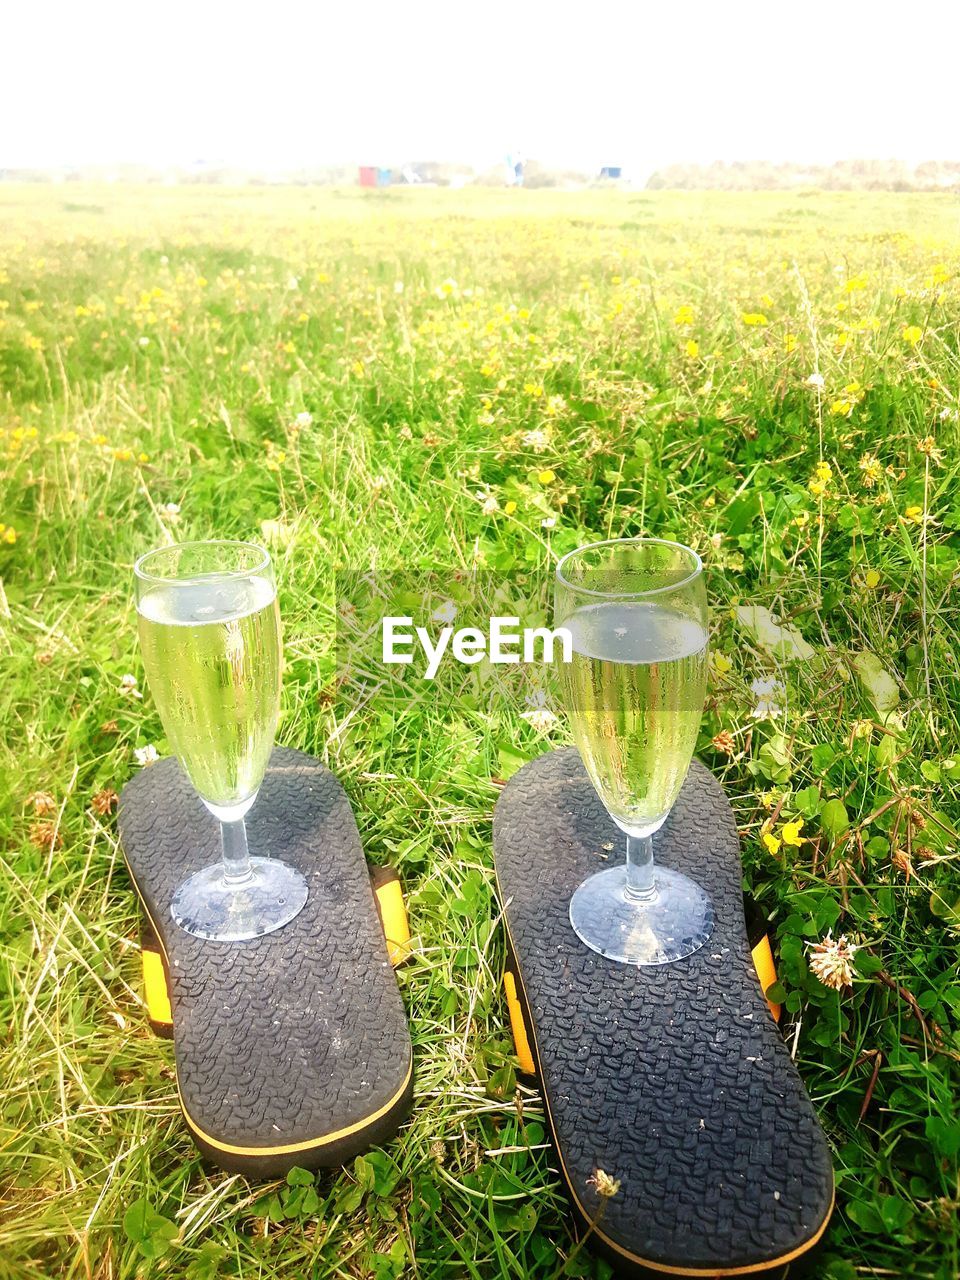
<point x="295" y="1036"/>
<point x="673" y="1079"/>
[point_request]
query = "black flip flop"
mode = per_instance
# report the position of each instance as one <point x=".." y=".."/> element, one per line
<point x="672" y="1080"/>
<point x="293" y="1048"/>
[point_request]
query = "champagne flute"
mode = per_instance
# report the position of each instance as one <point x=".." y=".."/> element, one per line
<point x="210" y="636"/>
<point x="634" y="689"/>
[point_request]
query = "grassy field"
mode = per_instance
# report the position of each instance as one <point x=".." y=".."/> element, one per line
<point x="457" y="379"/>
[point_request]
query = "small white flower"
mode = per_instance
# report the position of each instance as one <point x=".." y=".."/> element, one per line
<point x="398" y="286"/>
<point x="444" y="613"/>
<point x="539" y="714"/>
<point x="949" y="415"/>
<point x="128" y="687"/>
<point x="816" y="380"/>
<point x="767" y="691"/>
<point x="170" y="512"/>
<point x="304" y="419"/>
<point x="276" y="533"/>
<point x="716" y="541"/>
<point x="537" y="440"/>
<point x="146" y="755"/>
<point x="489" y="502"/>
<point x="143" y="341"/>
<point x="293" y="283"/>
<point x="548" y="523"/>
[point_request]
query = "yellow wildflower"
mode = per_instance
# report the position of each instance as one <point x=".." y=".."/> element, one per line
<point x="819" y="481"/>
<point x="771" y="842"/>
<point x="684" y="315"/>
<point x="720" y="662"/>
<point x="914" y="514"/>
<point x="790" y="833"/>
<point x="912" y="334"/>
<point x="509" y="508"/>
<point x="546" y="477"/>
<point x="753" y="318"/>
<point x="872" y="579"/>
<point x="692" y="349"/>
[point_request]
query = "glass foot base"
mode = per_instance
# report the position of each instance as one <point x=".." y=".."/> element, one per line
<point x="208" y="907"/>
<point x="674" y="924"/>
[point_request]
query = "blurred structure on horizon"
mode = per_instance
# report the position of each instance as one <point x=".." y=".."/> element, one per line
<point x="514" y="171"/>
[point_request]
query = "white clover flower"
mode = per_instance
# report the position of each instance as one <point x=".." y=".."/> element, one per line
<point x="767" y="691"/>
<point x="815" y="380"/>
<point x="537" y="440"/>
<point x="489" y="503"/>
<point x="539" y="714"/>
<point x="832" y="961"/>
<point x="548" y="523"/>
<point x="127" y="687"/>
<point x="143" y="341"/>
<point x="304" y="419"/>
<point x="398" y="286"/>
<point x="170" y="511"/>
<point x="146" y="755"/>
<point x="445" y="613"/>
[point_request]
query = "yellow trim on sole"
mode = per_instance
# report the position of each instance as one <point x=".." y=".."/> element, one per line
<point x="520" y="1042"/>
<point x="155" y="987"/>
<point x="393" y="918"/>
<point x="312" y="1144"/>
<point x="766" y="972"/>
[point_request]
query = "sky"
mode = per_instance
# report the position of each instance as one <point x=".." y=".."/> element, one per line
<point x="279" y="84"/>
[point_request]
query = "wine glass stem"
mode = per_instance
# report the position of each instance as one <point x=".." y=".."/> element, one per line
<point x="236" y="855"/>
<point x="640" y="886"/>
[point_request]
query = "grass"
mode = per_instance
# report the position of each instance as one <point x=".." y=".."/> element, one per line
<point x="491" y="378"/>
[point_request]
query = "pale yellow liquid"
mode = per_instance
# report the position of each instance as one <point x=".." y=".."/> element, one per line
<point x="634" y="692"/>
<point x="212" y="656"/>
